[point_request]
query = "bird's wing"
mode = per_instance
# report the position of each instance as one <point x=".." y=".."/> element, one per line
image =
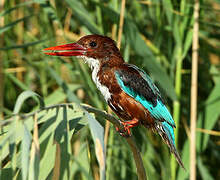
<point x="137" y="84"/>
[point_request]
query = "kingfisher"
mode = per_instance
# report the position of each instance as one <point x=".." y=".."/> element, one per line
<point x="128" y="90"/>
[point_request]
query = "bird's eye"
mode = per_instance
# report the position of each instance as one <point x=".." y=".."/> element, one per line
<point x="92" y="44"/>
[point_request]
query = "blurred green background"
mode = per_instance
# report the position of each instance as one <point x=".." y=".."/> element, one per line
<point x="157" y="36"/>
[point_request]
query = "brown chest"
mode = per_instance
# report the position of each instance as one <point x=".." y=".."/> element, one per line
<point x="107" y="78"/>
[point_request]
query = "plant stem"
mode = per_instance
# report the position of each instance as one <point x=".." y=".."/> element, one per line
<point x="1" y="64"/>
<point x="137" y="157"/>
<point x="99" y="17"/>
<point x="110" y="154"/>
<point x="194" y="79"/>
<point x="121" y="23"/>
<point x="176" y="108"/>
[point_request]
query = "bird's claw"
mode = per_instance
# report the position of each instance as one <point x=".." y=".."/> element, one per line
<point x="125" y="132"/>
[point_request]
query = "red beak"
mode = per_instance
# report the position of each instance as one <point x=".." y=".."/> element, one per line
<point x="72" y="49"/>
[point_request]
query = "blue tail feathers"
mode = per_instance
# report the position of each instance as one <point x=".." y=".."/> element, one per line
<point x="167" y="134"/>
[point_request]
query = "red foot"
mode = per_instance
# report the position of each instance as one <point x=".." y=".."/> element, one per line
<point x="127" y="125"/>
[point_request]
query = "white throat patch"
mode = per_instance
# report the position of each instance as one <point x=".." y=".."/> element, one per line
<point x="95" y="66"/>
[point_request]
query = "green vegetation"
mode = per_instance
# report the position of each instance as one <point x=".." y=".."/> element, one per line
<point x="63" y="140"/>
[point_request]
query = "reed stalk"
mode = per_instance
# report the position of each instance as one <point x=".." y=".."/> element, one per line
<point x="176" y="110"/>
<point x="194" y="93"/>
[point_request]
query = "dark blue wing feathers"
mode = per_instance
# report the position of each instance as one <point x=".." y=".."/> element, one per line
<point x="147" y="79"/>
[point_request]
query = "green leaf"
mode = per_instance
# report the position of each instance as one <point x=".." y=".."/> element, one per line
<point x="25" y="45"/>
<point x="62" y="137"/>
<point x="82" y="15"/>
<point x="25" y="95"/>
<point x="25" y="152"/>
<point x="58" y="95"/>
<point x="20" y="84"/>
<point x="35" y="154"/>
<point x="47" y="158"/>
<point x="60" y="123"/>
<point x="184" y="174"/>
<point x="208" y="117"/>
<point x="11" y="25"/>
<point x="70" y="95"/>
<point x="97" y="132"/>
<point x="204" y="170"/>
<point x="81" y="163"/>
<point x="49" y="10"/>
<point x="7" y="11"/>
<point x="167" y="4"/>
<point x="187" y="43"/>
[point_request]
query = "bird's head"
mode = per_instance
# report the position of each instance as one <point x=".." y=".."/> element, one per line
<point x="92" y="48"/>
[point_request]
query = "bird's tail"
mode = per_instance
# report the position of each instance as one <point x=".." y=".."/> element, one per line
<point x="167" y="133"/>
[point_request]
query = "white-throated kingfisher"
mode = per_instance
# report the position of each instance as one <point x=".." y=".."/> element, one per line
<point x="128" y="90"/>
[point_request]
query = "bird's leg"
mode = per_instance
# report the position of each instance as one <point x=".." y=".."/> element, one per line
<point x="127" y="125"/>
